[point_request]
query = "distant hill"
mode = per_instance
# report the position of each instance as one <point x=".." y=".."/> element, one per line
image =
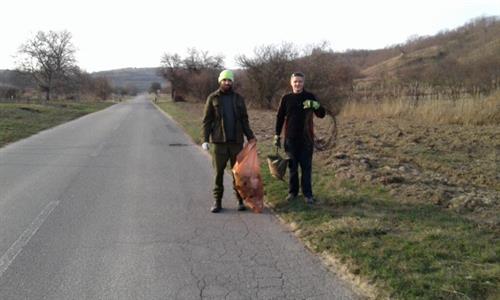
<point x="466" y="54"/>
<point x="141" y="78"/>
<point x="15" y="79"/>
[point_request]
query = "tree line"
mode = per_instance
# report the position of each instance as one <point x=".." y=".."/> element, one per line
<point x="264" y="77"/>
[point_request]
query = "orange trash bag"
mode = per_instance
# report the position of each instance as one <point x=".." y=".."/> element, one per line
<point x="247" y="177"/>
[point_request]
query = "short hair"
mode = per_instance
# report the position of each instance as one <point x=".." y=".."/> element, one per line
<point x="298" y="74"/>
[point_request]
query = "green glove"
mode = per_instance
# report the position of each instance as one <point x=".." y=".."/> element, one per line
<point x="311" y="104"/>
<point x="277" y="141"/>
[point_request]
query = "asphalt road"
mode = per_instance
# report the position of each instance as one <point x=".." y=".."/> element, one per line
<point x="115" y="205"/>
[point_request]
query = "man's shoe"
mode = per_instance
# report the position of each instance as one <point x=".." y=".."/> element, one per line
<point x="217" y="206"/>
<point x="241" y="206"/>
<point x="290" y="197"/>
<point x="309" y="200"/>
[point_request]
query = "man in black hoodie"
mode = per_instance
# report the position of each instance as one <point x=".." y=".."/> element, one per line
<point x="225" y="123"/>
<point x="296" y="112"/>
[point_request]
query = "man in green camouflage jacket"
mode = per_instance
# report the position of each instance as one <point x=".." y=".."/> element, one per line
<point x="225" y="123"/>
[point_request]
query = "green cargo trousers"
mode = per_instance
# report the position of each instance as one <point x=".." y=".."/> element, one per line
<point x="223" y="153"/>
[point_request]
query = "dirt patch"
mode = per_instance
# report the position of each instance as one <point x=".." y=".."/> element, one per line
<point x="452" y="166"/>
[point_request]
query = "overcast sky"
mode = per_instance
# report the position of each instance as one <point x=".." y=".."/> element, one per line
<point x="110" y="34"/>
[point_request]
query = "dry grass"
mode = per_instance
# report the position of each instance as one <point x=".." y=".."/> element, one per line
<point x="461" y="112"/>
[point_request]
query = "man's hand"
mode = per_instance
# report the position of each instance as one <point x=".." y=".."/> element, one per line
<point x="205" y="146"/>
<point x="252" y="141"/>
<point x="311" y="104"/>
<point x="277" y="141"/>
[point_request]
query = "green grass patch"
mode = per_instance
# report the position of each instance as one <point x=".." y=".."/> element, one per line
<point x="21" y="120"/>
<point x="190" y="123"/>
<point x="411" y="251"/>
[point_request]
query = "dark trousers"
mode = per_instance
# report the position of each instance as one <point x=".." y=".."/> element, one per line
<point x="300" y="154"/>
<point x="223" y="153"/>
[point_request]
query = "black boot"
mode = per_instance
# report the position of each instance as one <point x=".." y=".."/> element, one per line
<point x="241" y="205"/>
<point x="217" y="206"/>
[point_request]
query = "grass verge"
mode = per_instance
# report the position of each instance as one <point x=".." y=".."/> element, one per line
<point x="20" y="120"/>
<point x="190" y="123"/>
<point x="408" y="251"/>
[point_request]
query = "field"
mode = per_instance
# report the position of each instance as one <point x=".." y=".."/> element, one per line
<point x="20" y="120"/>
<point x="409" y="208"/>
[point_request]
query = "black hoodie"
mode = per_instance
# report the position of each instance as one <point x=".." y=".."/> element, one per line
<point x="292" y="114"/>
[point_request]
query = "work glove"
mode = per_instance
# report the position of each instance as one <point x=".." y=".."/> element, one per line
<point x="277" y="141"/>
<point x="205" y="146"/>
<point x="311" y="104"/>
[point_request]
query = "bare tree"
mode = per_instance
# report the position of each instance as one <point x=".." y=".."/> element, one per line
<point x="76" y="84"/>
<point x="203" y="83"/>
<point x="154" y="87"/>
<point x="195" y="74"/>
<point x="268" y="71"/>
<point x="203" y="70"/>
<point x="102" y="87"/>
<point x="173" y="71"/>
<point x="329" y="75"/>
<point x="49" y="56"/>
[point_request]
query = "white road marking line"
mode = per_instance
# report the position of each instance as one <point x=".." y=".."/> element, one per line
<point x="16" y="248"/>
